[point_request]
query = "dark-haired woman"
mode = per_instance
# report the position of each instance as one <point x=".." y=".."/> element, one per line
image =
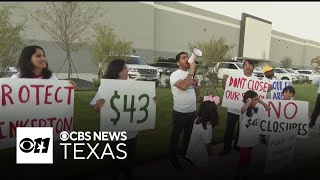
<point x="33" y="64"/>
<point x="117" y="69"/>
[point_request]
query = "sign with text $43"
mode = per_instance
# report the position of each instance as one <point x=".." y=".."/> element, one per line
<point x="129" y="105"/>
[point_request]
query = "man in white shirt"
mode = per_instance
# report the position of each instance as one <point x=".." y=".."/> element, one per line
<point x="234" y="114"/>
<point x="184" y="89"/>
<point x="316" y="109"/>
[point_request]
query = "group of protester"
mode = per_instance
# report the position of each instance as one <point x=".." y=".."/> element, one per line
<point x="185" y="116"/>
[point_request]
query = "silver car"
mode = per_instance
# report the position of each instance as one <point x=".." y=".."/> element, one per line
<point x="302" y="77"/>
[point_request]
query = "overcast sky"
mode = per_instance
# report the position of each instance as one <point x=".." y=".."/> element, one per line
<point x="301" y="19"/>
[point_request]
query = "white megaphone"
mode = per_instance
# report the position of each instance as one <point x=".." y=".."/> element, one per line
<point x="195" y="54"/>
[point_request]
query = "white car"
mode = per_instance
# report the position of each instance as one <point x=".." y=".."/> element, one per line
<point x="232" y="68"/>
<point x="228" y="68"/>
<point x="302" y="77"/>
<point x="311" y="74"/>
<point x="140" y="70"/>
<point x="282" y="74"/>
<point x="257" y="71"/>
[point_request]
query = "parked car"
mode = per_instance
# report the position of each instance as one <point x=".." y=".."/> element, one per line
<point x="140" y="70"/>
<point x="171" y="69"/>
<point x="9" y="71"/>
<point x="162" y="66"/>
<point x="228" y="68"/>
<point x="311" y="74"/>
<point x="282" y="74"/>
<point x="232" y="68"/>
<point x="302" y="77"/>
<point x="257" y="71"/>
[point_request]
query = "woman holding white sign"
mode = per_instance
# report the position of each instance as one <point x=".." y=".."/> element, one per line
<point x="249" y="129"/>
<point x="33" y="64"/>
<point x="117" y="69"/>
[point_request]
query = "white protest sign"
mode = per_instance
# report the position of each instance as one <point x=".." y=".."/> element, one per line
<point x="285" y="115"/>
<point x="277" y="87"/>
<point x="281" y="148"/>
<point x="237" y="86"/>
<point x="34" y="103"/>
<point x="129" y="105"/>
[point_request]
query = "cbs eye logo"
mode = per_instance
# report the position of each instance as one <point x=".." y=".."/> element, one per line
<point x="38" y="145"/>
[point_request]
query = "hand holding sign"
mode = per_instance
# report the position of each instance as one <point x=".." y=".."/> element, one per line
<point x="99" y="104"/>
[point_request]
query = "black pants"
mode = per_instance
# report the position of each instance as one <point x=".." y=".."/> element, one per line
<point x="315" y="112"/>
<point x="181" y="121"/>
<point x="232" y="120"/>
<point x="126" y="165"/>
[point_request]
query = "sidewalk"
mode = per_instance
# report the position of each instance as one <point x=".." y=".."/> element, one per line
<point x="224" y="167"/>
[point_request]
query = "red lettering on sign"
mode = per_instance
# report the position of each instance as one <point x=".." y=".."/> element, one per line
<point x="68" y="126"/>
<point x="232" y="95"/>
<point x="1" y="135"/>
<point x="237" y="82"/>
<point x="56" y="95"/>
<point x="69" y="93"/>
<point x="37" y="87"/>
<point x="271" y="105"/>
<point x="295" y="110"/>
<point x="6" y="93"/>
<point x="257" y="85"/>
<point x="47" y="94"/>
<point x="20" y="94"/>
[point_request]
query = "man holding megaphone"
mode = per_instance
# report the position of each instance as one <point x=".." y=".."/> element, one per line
<point x="185" y="90"/>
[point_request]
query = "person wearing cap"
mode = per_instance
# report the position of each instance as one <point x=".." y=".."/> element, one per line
<point x="268" y="76"/>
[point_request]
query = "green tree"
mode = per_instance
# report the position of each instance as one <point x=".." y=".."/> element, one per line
<point x="106" y="46"/>
<point x="66" y="22"/>
<point x="316" y="61"/>
<point x="213" y="51"/>
<point x="11" y="40"/>
<point x="286" y="62"/>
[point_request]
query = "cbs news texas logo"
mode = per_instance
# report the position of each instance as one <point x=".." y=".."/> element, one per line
<point x="34" y="145"/>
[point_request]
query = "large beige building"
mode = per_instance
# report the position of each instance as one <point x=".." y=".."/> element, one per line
<point x="162" y="29"/>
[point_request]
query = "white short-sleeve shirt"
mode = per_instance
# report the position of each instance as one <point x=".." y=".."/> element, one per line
<point x="183" y="101"/>
<point x="17" y="75"/>
<point x="197" y="151"/>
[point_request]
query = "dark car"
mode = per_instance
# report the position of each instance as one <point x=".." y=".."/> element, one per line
<point x="171" y="69"/>
<point x="162" y="66"/>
